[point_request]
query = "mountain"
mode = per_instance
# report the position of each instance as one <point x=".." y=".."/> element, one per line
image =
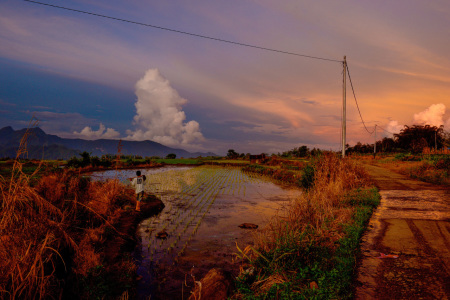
<point x="47" y="146"/>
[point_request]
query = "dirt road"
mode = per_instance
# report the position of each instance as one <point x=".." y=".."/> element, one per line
<point x="413" y="223"/>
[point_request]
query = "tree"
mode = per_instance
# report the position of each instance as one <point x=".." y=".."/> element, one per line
<point x="447" y="140"/>
<point x="387" y="145"/>
<point x="417" y="137"/>
<point x="85" y="158"/>
<point x="232" y="154"/>
<point x="171" y="156"/>
<point x="301" y="151"/>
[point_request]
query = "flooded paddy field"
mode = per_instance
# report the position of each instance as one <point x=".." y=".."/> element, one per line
<point x="199" y="226"/>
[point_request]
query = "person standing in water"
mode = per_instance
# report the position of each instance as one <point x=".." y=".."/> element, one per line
<point x="138" y="183"/>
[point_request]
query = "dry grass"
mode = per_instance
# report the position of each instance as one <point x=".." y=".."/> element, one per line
<point x="308" y="251"/>
<point x="42" y="227"/>
<point x="318" y="214"/>
<point x="262" y="286"/>
<point x="428" y="150"/>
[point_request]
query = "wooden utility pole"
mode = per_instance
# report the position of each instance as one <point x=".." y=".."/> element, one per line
<point x="375" y="144"/>
<point x="435" y="141"/>
<point x="344" y="104"/>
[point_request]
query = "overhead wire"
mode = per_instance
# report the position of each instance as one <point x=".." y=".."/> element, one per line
<point x="218" y="40"/>
<point x="385" y="130"/>
<point x="356" y="101"/>
<point x="186" y="33"/>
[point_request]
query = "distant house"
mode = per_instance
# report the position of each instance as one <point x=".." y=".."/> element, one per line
<point x="258" y="159"/>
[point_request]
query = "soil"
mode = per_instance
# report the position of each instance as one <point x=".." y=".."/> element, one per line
<point x="117" y="251"/>
<point x="125" y="240"/>
<point x="413" y="223"/>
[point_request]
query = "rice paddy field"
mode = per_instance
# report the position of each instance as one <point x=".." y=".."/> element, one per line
<point x="199" y="226"/>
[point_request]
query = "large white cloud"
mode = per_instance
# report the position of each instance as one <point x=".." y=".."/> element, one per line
<point x="159" y="115"/>
<point x="433" y="115"/>
<point x="393" y="127"/>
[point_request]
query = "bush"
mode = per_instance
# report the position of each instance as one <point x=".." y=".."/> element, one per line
<point x="315" y="239"/>
<point x="74" y="163"/>
<point x="284" y="176"/>
<point x="407" y="157"/>
<point x="307" y="180"/>
<point x="52" y="230"/>
<point x="444" y="163"/>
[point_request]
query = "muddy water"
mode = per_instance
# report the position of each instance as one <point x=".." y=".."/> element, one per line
<point x="199" y="225"/>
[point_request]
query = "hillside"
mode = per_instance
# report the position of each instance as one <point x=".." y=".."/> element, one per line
<point x="41" y="145"/>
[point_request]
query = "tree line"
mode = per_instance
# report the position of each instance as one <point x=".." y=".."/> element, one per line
<point x="412" y="139"/>
<point x="108" y="160"/>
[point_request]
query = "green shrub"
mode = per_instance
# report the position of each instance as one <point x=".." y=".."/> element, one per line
<point x="307" y="180"/>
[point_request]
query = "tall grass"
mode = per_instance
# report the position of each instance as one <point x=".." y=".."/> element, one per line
<point x="50" y="230"/>
<point x="434" y="168"/>
<point x="304" y="250"/>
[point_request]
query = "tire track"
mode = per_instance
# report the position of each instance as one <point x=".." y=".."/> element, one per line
<point x="413" y="222"/>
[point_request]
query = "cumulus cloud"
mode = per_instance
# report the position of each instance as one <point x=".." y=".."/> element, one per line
<point x="159" y="115"/>
<point x="101" y="133"/>
<point x="394" y="127"/>
<point x="433" y="115"/>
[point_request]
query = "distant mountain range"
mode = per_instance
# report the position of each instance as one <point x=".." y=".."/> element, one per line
<point x="47" y="146"/>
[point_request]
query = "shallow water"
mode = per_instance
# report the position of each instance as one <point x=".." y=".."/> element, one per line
<point x="204" y="207"/>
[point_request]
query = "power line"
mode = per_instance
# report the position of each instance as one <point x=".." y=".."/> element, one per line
<point x="354" y="95"/>
<point x="186" y="33"/>
<point x="385" y="130"/>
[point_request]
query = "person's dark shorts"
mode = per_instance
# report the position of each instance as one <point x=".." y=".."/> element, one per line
<point x="140" y="196"/>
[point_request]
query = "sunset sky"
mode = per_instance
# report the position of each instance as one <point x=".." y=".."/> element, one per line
<point x="84" y="76"/>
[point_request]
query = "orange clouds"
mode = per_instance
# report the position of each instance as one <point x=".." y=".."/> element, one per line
<point x="278" y="108"/>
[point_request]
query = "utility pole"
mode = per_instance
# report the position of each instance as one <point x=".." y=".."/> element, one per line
<point x="435" y="141"/>
<point x="344" y="104"/>
<point x="375" y="144"/>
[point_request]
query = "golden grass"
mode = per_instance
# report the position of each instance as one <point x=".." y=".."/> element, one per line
<point x="31" y="234"/>
<point x="428" y="150"/>
<point x="320" y="211"/>
<point x="63" y="213"/>
<point x="262" y="286"/>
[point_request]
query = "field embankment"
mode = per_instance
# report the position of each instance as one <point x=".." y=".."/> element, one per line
<point x="431" y="168"/>
<point x="310" y="250"/>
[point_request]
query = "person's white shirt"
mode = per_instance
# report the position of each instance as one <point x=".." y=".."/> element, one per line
<point x="138" y="183"/>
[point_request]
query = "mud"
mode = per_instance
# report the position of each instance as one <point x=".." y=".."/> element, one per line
<point x="413" y="222"/>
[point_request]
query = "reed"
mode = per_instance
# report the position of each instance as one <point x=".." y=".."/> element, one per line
<point x="323" y="208"/>
<point x="298" y="244"/>
<point x="51" y="228"/>
<point x="30" y="233"/>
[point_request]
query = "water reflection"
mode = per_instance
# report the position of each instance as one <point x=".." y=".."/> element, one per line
<point x="204" y="207"/>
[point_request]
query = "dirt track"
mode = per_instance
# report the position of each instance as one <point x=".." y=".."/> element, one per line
<point x="413" y="222"/>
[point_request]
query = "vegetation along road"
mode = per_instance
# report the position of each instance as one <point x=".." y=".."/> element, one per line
<point x="411" y="228"/>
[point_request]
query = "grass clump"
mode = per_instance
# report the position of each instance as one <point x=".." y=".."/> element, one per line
<point x="179" y="161"/>
<point x="309" y="251"/>
<point x="284" y="176"/>
<point x="52" y="231"/>
<point x="433" y="169"/>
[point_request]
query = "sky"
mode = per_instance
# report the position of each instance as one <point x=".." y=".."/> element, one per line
<point x="85" y="76"/>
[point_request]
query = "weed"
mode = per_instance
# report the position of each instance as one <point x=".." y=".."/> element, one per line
<point x="51" y="230"/>
<point x="308" y="176"/>
<point x="309" y="252"/>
